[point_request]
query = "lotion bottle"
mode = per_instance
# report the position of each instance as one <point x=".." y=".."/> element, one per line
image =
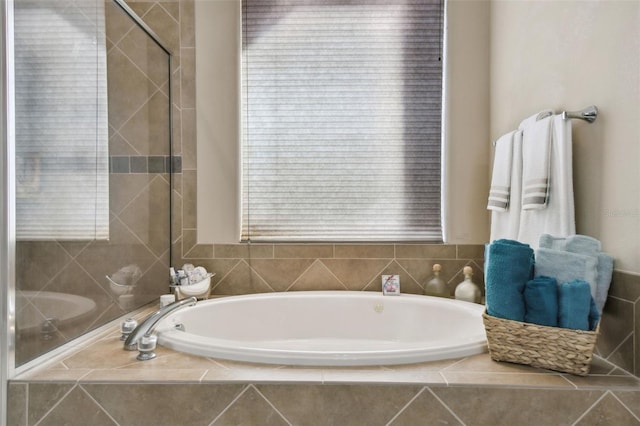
<point x="467" y="290"/>
<point x="436" y="285"/>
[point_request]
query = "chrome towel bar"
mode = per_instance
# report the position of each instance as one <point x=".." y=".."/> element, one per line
<point x="589" y="114"/>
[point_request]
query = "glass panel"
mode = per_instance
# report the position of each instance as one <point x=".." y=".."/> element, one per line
<point x="68" y="286"/>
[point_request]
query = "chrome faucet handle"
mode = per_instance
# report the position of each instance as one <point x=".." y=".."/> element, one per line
<point x="127" y="326"/>
<point x="147" y="346"/>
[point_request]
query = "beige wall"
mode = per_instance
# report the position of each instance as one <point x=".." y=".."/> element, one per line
<point x="466" y="127"/>
<point x="567" y="55"/>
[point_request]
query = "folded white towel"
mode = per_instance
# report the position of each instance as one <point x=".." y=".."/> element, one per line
<point x="558" y="218"/>
<point x="536" y="149"/>
<point x="501" y="177"/>
<point x="506" y="224"/>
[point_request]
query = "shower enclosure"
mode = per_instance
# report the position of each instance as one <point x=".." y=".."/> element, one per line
<point x="93" y="168"/>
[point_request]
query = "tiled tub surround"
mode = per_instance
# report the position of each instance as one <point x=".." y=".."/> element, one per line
<point x="101" y="384"/>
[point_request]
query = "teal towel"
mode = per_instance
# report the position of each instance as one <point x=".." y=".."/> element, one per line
<point x="565" y="266"/>
<point x="508" y="267"/>
<point x="541" y="301"/>
<point x="574" y="305"/>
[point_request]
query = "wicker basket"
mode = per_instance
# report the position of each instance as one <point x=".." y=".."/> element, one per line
<point x="554" y="348"/>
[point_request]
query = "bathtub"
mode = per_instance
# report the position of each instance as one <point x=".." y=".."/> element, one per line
<point x="320" y="328"/>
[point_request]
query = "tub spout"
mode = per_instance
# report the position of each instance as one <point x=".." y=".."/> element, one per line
<point x="147" y="326"/>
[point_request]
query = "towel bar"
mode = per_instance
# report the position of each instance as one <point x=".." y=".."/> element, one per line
<point x="589" y="114"/>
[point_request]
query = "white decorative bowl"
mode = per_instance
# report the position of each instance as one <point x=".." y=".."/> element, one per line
<point x="199" y="289"/>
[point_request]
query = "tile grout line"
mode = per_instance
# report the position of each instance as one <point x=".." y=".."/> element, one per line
<point x="98" y="404"/>
<point x="622" y="342"/>
<point x="233" y="401"/>
<point x="53" y="407"/>
<point x="625" y="406"/>
<point x="445" y="406"/>
<point x="404" y="407"/>
<point x="588" y="410"/>
<point x="271" y="404"/>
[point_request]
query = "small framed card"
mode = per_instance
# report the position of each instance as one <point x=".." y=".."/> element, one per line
<point x="391" y="285"/>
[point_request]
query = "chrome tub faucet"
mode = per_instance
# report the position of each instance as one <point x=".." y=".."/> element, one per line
<point x="142" y="332"/>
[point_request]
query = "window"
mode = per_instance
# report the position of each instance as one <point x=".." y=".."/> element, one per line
<point x="342" y="106"/>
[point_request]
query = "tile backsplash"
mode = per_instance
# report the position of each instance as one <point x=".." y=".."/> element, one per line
<point x="257" y="268"/>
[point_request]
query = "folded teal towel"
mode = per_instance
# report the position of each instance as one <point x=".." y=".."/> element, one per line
<point x="565" y="266"/>
<point x="508" y="267"/>
<point x="574" y="305"/>
<point x="583" y="244"/>
<point x="541" y="301"/>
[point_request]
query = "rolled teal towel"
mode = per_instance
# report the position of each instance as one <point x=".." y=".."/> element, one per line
<point x="541" y="301"/>
<point x="574" y="305"/>
<point x="509" y="265"/>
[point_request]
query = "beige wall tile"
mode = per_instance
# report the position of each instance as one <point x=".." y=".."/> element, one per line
<point x="470" y="251"/>
<point x="147" y="128"/>
<point x="241" y="280"/>
<point x="488" y="406"/>
<point x="608" y="411"/>
<point x="631" y="400"/>
<point x="355" y="274"/>
<point x="317" y="277"/>
<point x="425" y="406"/>
<point x="189" y="206"/>
<point x="338" y="404"/>
<point x="158" y="404"/>
<point x="77" y="408"/>
<point x="188" y="89"/>
<point x="299" y="251"/>
<point x="251" y="409"/>
<point x="244" y="251"/>
<point x="615" y="326"/>
<point x="17" y="404"/>
<point x="280" y="273"/>
<point x="187" y="24"/>
<point x="188" y="138"/>
<point x="43" y="396"/>
<point x="365" y="251"/>
<point x="426" y="251"/>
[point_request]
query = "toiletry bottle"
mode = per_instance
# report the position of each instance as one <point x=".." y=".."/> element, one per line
<point x="436" y="285"/>
<point x="467" y="290"/>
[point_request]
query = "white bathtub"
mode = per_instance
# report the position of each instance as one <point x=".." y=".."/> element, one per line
<point x="327" y="328"/>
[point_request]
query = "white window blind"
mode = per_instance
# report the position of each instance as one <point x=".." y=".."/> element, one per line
<point x="342" y="104"/>
<point x="61" y="120"/>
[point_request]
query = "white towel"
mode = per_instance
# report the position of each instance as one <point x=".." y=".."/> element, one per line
<point x="536" y="149"/>
<point x="506" y="224"/>
<point x="529" y="121"/>
<point x="558" y="218"/>
<point x="501" y="178"/>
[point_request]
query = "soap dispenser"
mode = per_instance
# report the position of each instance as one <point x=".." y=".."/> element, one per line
<point x="467" y="290"/>
<point x="436" y="285"/>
